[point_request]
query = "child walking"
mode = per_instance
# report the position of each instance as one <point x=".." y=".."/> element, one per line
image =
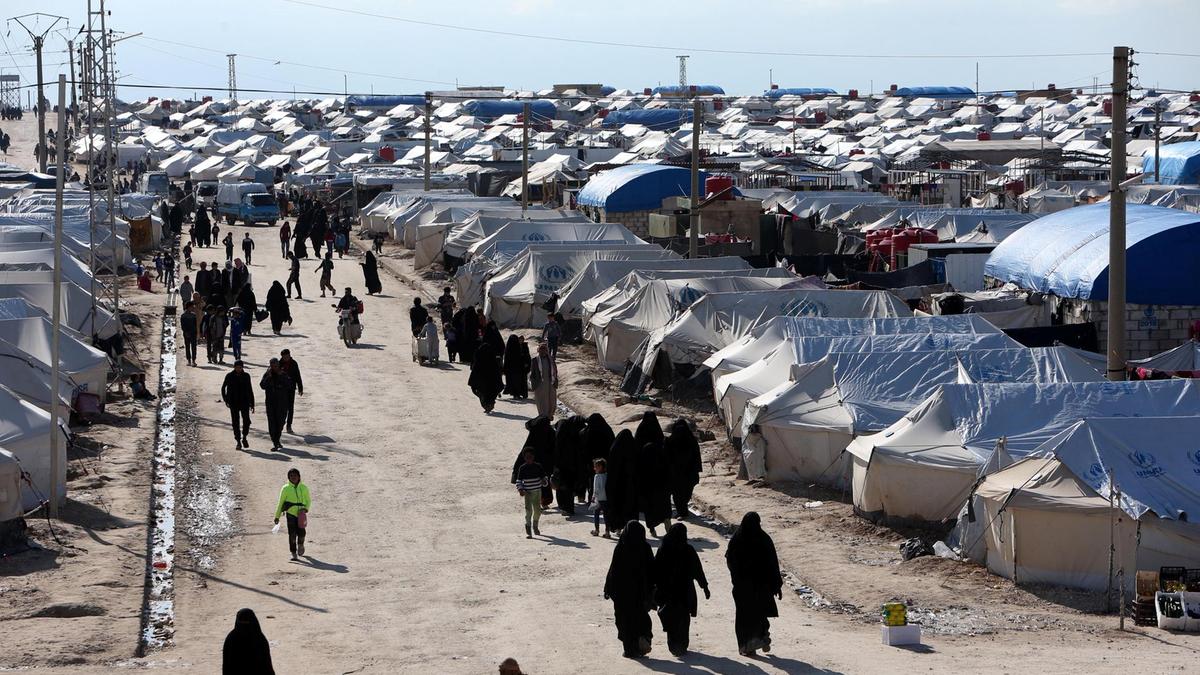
<point x="294" y="502"/>
<point x="600" y="497"/>
<point x="531" y="478"/>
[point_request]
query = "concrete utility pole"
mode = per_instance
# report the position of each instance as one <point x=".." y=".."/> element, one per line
<point x="694" y="206"/>
<point x="524" y="158"/>
<point x="428" y="149"/>
<point x="1116" y="218"/>
<point x="55" y="336"/>
<point x="39" y="40"/>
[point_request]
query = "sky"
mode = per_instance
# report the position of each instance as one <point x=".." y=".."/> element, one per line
<point x="309" y="46"/>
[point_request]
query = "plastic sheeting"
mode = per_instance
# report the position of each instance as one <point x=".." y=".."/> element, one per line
<point x="10" y="487"/>
<point x="464" y="235"/>
<point x="654" y="119"/>
<point x="637" y="187"/>
<point x="85" y="365"/>
<point x="1179" y="163"/>
<point x="25" y="432"/>
<point x="490" y="109"/>
<point x="600" y="275"/>
<point x="923" y="466"/>
<point x="1066" y="254"/>
<point x="542" y="231"/>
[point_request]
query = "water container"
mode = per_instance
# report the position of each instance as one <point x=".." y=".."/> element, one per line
<point x="647" y="92"/>
<point x="387" y="154"/>
<point x="983" y="136"/>
<point x="901" y="242"/>
<point x="719" y="183"/>
<point x="853" y="94"/>
<point x="928" y="237"/>
<point x="1108" y="107"/>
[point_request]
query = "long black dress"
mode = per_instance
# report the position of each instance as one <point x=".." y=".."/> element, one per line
<point x="485" y="379"/>
<point x="516" y="368"/>
<point x="277" y="305"/>
<point x="246" y="650"/>
<point x="653" y="477"/>
<point x="466" y="325"/>
<point x="622" y="481"/>
<point x="677" y="570"/>
<point x="683" y="454"/>
<point x="595" y="440"/>
<point x="754" y="571"/>
<point x="566" y="462"/>
<point x="371" y="274"/>
<point x="249" y="304"/>
<point x="629" y="585"/>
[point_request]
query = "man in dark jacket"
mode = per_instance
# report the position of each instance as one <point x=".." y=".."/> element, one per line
<point x="238" y="395"/>
<point x="418" y="315"/>
<point x="203" y="280"/>
<point x="189" y="324"/>
<point x="247" y="247"/>
<point x="277" y="384"/>
<point x="289" y="366"/>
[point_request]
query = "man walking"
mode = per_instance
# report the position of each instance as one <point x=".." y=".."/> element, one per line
<point x="417" y="315"/>
<point x="294" y="277"/>
<point x="531" y="478"/>
<point x="189" y="323"/>
<point x="289" y="366"/>
<point x="276" y="384"/>
<point x="238" y="395"/>
<point x="247" y="247"/>
<point x="295" y="501"/>
<point x="543" y="375"/>
<point x="326" y="270"/>
<point x="551" y="334"/>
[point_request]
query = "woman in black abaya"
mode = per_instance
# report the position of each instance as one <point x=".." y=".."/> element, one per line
<point x="516" y="368"/>
<point x="595" y="440"/>
<point x="630" y="587"/>
<point x="246" y="651"/>
<point x="683" y="456"/>
<point x="653" y="478"/>
<point x="677" y="571"/>
<point x="622" y="481"/>
<point x="371" y="274"/>
<point x="485" y="379"/>
<point x="566" y="463"/>
<point x="542" y="439"/>
<point x="277" y="306"/>
<point x="757" y="582"/>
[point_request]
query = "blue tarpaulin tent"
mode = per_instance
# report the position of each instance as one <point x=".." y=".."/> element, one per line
<point x="637" y="187"/>
<point x="697" y="89"/>
<point x="363" y="101"/>
<point x="1178" y="163"/>
<point x="490" y="109"/>
<point x="657" y="119"/>
<point x="934" y="92"/>
<point x="1066" y="254"/>
<point x="799" y="91"/>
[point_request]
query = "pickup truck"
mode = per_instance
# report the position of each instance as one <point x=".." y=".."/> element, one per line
<point x="248" y="202"/>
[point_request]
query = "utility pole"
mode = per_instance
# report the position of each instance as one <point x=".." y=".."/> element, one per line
<point x="428" y="148"/>
<point x="682" y="73"/>
<point x="694" y="206"/>
<point x="1116" y="217"/>
<point x="56" y="333"/>
<point x="109" y="87"/>
<point x="39" y="40"/>
<point x="74" y="101"/>
<point x="524" y="159"/>
<point x="795" y="121"/>
<point x="1157" y="135"/>
<point x="232" y="76"/>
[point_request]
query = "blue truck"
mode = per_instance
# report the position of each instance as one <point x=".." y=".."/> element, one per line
<point x="246" y="202"/>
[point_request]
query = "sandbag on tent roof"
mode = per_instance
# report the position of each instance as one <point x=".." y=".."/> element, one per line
<point x="799" y="429"/>
<point x="84" y="364"/>
<point x="602" y="274"/>
<point x="25" y="432"/>
<point x="76" y="306"/>
<point x="733" y="388"/>
<point x="464" y="235"/>
<point x="1048" y="518"/>
<point x="619" y="329"/>
<point x="922" y="467"/>
<point x="514" y="296"/>
<point x="541" y="231"/>
<point x="10" y="487"/>
<point x="763" y="339"/>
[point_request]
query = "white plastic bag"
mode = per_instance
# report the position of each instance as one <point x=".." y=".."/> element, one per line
<point x="275" y="530"/>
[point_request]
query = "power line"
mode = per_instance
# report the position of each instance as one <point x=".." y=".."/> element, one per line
<point x="676" y="48"/>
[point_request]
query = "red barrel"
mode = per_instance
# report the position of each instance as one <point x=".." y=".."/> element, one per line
<point x="1108" y="107"/>
<point x="820" y="116"/>
<point x="387" y="154"/>
<point x="853" y="94"/>
<point x="719" y="183"/>
<point x="928" y="237"/>
<point x="983" y="136"/>
<point x="900" y="244"/>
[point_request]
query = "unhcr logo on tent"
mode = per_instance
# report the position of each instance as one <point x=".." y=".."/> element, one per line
<point x="1096" y="474"/>
<point x="804" y="307"/>
<point x="1147" y="464"/>
<point x="1194" y="457"/>
<point x="551" y="277"/>
<point x="536" y="236"/>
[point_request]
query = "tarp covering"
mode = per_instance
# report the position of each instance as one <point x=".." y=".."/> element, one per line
<point x="637" y="187"/>
<point x="1179" y="163"/>
<point x="463" y="235"/>
<point x="923" y="466"/>
<point x="25" y="432"/>
<point x="490" y="109"/>
<point x="799" y="91"/>
<point x="540" y="231"/>
<point x="85" y="365"/>
<point x="654" y="119"/>
<point x="1185" y="357"/>
<point x="10" y="487"/>
<point x="689" y="90"/>
<point x="934" y="92"/>
<point x="601" y="274"/>
<point x="1066" y="254"/>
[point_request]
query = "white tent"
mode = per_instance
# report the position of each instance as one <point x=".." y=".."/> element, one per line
<point x="26" y="265"/>
<point x="463" y="235"/>
<point x="514" y="296"/>
<point x="29" y="377"/>
<point x="618" y="329"/>
<point x="542" y="231"/>
<point x="798" y="430"/>
<point x="179" y="164"/>
<point x="629" y="285"/>
<point x="85" y="365"/>
<point x="764" y="338"/>
<point x="10" y="487"/>
<point x="1049" y="517"/>
<point x="602" y="274"/>
<point x="76" y="306"/>
<point x="1185" y="357"/>
<point x="923" y="467"/>
<point x="25" y="432"/>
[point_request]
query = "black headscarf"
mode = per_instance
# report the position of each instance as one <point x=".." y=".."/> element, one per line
<point x="247" y="301"/>
<point x="566" y="454"/>
<point x="491" y="336"/>
<point x="246" y="651"/>
<point x="648" y="430"/>
<point x="683" y="454"/>
<point x="621" y="484"/>
<point x="753" y="563"/>
<point x="485" y="372"/>
<point x="541" y="439"/>
<point x="277" y="302"/>
<point x="676" y="571"/>
<point x="597" y="438"/>
<point x="629" y="575"/>
<point x="653" y="484"/>
<point x="512" y="351"/>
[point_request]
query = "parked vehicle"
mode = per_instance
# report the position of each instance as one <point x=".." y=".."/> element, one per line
<point x="248" y="202"/>
<point x="206" y="193"/>
<point x="155" y="183"/>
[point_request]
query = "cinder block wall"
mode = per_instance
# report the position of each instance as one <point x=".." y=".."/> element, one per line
<point x="1150" y="329"/>
<point x="638" y="222"/>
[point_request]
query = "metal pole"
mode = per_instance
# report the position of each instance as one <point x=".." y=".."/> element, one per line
<point x="74" y="101"/>
<point x="1157" y="135"/>
<point x="55" y="465"/>
<point x="110" y="151"/>
<point x="694" y="206"/>
<point x="1116" y="219"/>
<point x="428" y="150"/>
<point x="41" y="108"/>
<point x="524" y="159"/>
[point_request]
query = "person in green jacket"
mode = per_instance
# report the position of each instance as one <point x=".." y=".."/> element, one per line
<point x="295" y="501"/>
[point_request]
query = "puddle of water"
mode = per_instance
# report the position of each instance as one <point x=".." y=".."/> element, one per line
<point x="207" y="514"/>
<point x="158" y="615"/>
